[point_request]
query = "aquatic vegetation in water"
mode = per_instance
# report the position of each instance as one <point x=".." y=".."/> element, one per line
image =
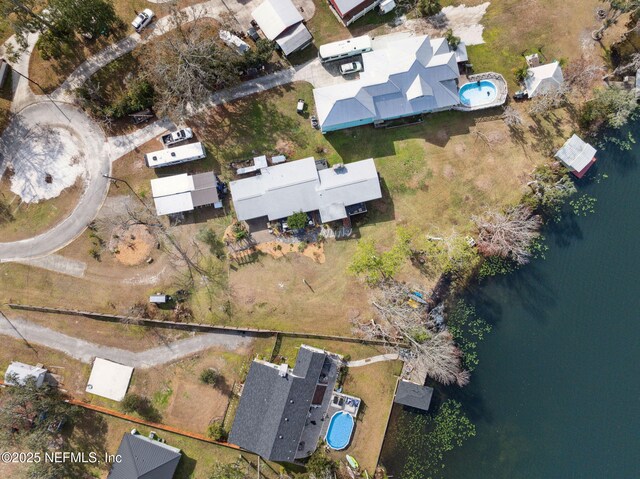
<point x="436" y="435"/>
<point x="467" y="330"/>
<point x="583" y="205"/>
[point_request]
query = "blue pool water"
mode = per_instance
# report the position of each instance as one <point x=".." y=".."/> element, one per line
<point x="340" y="429"/>
<point x="478" y="93"/>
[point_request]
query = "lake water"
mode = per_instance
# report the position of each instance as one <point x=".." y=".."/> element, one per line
<point x="557" y="391"/>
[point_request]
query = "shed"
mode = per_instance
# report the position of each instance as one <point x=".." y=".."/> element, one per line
<point x="159" y="298"/>
<point x="109" y="379"/>
<point x="543" y="78"/>
<point x="577" y="155"/>
<point x="413" y="395"/>
<point x="275" y="16"/>
<point x="17" y="374"/>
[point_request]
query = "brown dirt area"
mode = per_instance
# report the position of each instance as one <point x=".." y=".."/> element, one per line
<point x="132" y="245"/>
<point x="313" y="251"/>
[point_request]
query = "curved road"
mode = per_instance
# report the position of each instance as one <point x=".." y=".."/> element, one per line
<point x="92" y="142"/>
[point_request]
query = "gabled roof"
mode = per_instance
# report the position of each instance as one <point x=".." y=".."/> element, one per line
<point x="294" y="38"/>
<point x="281" y="190"/>
<point x="402" y="76"/>
<point x="273" y="407"/>
<point x="184" y="192"/>
<point x="144" y="458"/>
<point x="275" y="16"/>
<point x="543" y="78"/>
<point x="576" y="154"/>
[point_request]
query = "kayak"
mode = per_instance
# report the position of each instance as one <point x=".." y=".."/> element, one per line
<point x="352" y="461"/>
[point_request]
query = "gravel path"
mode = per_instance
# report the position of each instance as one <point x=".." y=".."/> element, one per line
<point x="58" y="264"/>
<point x="85" y="351"/>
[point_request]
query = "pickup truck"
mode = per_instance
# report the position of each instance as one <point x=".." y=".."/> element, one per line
<point x="142" y="20"/>
<point x="177" y="136"/>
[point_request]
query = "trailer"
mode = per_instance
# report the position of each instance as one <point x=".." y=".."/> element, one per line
<point x="344" y="48"/>
<point x="175" y="156"/>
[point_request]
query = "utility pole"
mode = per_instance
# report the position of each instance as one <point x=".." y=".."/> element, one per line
<point x="44" y="92"/>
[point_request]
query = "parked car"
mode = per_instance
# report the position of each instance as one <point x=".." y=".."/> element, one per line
<point x="142" y="20"/>
<point x="300" y="106"/>
<point x="253" y="34"/>
<point x="177" y="136"/>
<point x="351" y="67"/>
<point x="520" y="95"/>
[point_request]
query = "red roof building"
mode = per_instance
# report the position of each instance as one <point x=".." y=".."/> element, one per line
<point x="350" y="10"/>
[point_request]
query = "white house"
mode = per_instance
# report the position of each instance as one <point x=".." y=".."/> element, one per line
<point x="403" y="76"/>
<point x="543" y="78"/>
<point x="17" y="373"/>
<point x="184" y="192"/>
<point x="281" y="190"/>
<point x="577" y="155"/>
<point x="281" y="22"/>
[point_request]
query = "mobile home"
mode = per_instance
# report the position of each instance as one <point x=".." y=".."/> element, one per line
<point x="174" y="156"/>
<point x="345" y="48"/>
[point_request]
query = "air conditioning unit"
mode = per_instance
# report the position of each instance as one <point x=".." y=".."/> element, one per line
<point x="283" y="370"/>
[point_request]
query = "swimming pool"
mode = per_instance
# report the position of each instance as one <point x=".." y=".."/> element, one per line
<point x="339" y="431"/>
<point x="478" y="93"/>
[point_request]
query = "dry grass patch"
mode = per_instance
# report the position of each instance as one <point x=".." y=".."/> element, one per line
<point x="31" y="219"/>
<point x="375" y="385"/>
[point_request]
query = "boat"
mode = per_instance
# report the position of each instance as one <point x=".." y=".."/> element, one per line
<point x="352" y="461"/>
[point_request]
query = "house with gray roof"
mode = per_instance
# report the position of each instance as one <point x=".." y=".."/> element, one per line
<point x="282" y="410"/>
<point x="144" y="458"/>
<point x="281" y="190"/>
<point x="403" y="76"/>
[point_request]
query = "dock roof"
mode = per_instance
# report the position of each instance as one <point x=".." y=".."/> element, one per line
<point x="576" y="154"/>
<point x="413" y="395"/>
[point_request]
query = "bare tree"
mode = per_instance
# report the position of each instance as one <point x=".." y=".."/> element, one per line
<point x="414" y="334"/>
<point x="187" y="64"/>
<point x="549" y="100"/>
<point x="508" y="235"/>
<point x="580" y="74"/>
<point x="512" y="117"/>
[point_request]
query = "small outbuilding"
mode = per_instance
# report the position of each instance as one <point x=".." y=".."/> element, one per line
<point x="577" y="155"/>
<point x="184" y="192"/>
<point x="413" y="395"/>
<point x="543" y="78"/>
<point x="17" y="374"/>
<point x="109" y="379"/>
<point x="281" y="22"/>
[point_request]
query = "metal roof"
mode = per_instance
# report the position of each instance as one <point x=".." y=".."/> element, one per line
<point x="19" y="372"/>
<point x="275" y="16"/>
<point x="273" y="409"/>
<point x="345" y="46"/>
<point x="403" y="76"/>
<point x="281" y="190"/>
<point x="413" y="395"/>
<point x="294" y="38"/>
<point x="543" y="78"/>
<point x="576" y="154"/>
<point x="144" y="458"/>
<point x="184" y="192"/>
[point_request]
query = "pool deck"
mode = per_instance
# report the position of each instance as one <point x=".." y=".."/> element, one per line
<point x="500" y="83"/>
<point x="336" y="407"/>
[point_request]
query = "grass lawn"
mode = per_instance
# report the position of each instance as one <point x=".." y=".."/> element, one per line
<point x="198" y="457"/>
<point x="559" y="29"/>
<point x="375" y="385"/>
<point x="289" y="348"/>
<point x="73" y="374"/>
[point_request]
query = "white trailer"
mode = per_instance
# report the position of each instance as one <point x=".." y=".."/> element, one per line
<point x="174" y="156"/>
<point x="344" y="48"/>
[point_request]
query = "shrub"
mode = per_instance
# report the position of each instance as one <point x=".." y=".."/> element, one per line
<point x="302" y="246"/>
<point x="297" y="221"/>
<point x="209" y="376"/>
<point x="141" y="405"/>
<point x="428" y="8"/>
<point x="216" y="432"/>
<point x="452" y="40"/>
